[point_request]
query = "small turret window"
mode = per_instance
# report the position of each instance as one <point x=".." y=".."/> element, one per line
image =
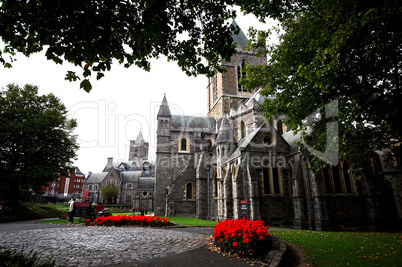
<point x="243" y="131"/>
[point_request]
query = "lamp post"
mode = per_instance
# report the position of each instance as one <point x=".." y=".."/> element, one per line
<point x="208" y="193"/>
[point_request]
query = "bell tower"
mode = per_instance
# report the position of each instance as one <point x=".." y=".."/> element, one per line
<point x="224" y="90"/>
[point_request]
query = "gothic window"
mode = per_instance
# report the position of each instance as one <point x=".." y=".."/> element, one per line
<point x="136" y="153"/>
<point x="327" y="180"/>
<point x="189" y="190"/>
<point x="129" y="186"/>
<point x="241" y="73"/>
<point x="272" y="181"/>
<point x="339" y="179"/>
<point x="279" y="127"/>
<point x="215" y="185"/>
<point x="348" y="178"/>
<point x="243" y="130"/>
<point x="184" y="145"/>
<point x="128" y="198"/>
<point x="289" y="176"/>
<point x="111" y="182"/>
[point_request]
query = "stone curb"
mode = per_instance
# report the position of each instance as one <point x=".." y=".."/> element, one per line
<point x="274" y="257"/>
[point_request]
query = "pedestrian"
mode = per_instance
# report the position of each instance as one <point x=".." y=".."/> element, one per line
<point x="72" y="210"/>
<point x="99" y="208"/>
<point x="1" y="212"/>
<point x="133" y="210"/>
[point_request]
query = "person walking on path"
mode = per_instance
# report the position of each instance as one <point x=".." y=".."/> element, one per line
<point x="72" y="202"/>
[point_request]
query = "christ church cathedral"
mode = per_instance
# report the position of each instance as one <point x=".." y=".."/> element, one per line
<point x="232" y="164"/>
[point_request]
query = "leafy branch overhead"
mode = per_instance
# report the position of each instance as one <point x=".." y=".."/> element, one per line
<point x="90" y="34"/>
<point x="348" y="51"/>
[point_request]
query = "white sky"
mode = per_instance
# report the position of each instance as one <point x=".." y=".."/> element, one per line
<point x="120" y="104"/>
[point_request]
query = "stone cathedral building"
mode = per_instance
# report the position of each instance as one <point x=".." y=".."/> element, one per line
<point x="233" y="164"/>
<point x="134" y="178"/>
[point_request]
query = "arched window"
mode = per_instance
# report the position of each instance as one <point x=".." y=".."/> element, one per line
<point x="189" y="188"/>
<point x="241" y="73"/>
<point x="184" y="145"/>
<point x="339" y="179"/>
<point x="289" y="177"/>
<point x="348" y="178"/>
<point x="272" y="181"/>
<point x="243" y="130"/>
<point x="136" y="153"/>
<point x="215" y="185"/>
<point x="279" y="127"/>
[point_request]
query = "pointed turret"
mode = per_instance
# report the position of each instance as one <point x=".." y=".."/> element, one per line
<point x="164" y="110"/>
<point x="225" y="133"/>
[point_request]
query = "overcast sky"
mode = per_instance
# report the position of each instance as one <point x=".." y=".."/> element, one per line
<point x="120" y="104"/>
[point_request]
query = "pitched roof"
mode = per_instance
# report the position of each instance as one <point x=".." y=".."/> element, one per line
<point x="147" y="183"/>
<point x="130" y="176"/>
<point x="243" y="143"/>
<point x="183" y="121"/>
<point x="96" y="177"/>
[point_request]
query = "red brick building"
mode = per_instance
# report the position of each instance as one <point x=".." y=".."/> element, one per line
<point x="66" y="186"/>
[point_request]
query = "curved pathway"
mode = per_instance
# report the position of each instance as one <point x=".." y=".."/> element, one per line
<point x="94" y="246"/>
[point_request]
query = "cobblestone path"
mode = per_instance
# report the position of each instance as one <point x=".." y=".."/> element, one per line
<point x="96" y="246"/>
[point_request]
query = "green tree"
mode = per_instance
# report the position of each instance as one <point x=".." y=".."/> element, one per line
<point x="36" y="140"/>
<point x="329" y="50"/>
<point x="110" y="191"/>
<point x="91" y="33"/>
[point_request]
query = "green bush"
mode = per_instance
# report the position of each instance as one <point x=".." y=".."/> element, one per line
<point x="22" y="259"/>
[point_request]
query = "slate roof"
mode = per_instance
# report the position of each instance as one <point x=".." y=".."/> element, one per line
<point x="193" y="121"/>
<point x="147" y="183"/>
<point x="96" y="177"/>
<point x="239" y="38"/>
<point x="257" y="96"/>
<point x="243" y="143"/>
<point x="130" y="176"/>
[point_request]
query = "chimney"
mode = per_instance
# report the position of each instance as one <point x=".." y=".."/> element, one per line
<point x="109" y="163"/>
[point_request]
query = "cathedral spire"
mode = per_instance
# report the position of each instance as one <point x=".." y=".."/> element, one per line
<point x="239" y="38"/>
<point x="164" y="110"/>
<point x="139" y="138"/>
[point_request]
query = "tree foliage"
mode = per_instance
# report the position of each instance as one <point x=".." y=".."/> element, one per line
<point x="36" y="140"/>
<point x="329" y="50"/>
<point x="110" y="191"/>
<point x="91" y="33"/>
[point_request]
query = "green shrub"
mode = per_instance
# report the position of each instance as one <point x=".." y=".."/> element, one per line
<point x="22" y="259"/>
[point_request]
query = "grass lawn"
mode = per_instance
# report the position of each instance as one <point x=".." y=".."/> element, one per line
<point x="185" y="221"/>
<point x="347" y="248"/>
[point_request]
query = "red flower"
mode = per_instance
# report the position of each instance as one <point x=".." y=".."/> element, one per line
<point x="234" y="244"/>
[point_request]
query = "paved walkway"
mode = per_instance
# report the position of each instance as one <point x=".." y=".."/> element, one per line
<point x="74" y="245"/>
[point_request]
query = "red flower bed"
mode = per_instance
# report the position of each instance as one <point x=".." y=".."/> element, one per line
<point x="244" y="237"/>
<point x="125" y="220"/>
